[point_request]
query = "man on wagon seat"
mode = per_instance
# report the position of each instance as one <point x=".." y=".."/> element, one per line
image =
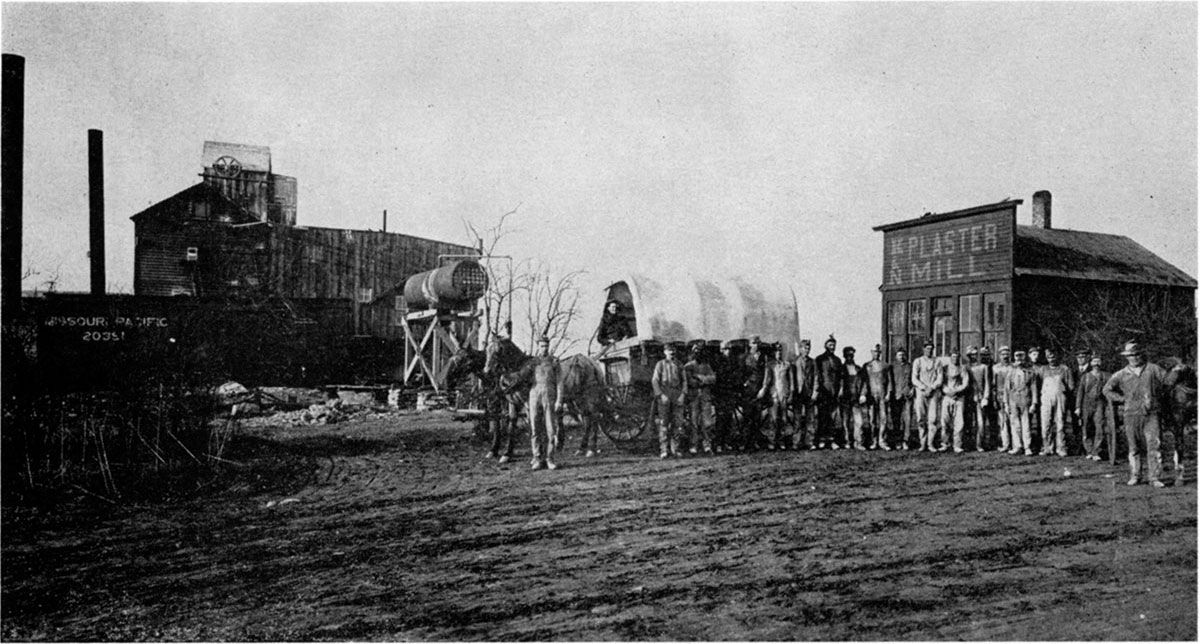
<point x="614" y="327"/>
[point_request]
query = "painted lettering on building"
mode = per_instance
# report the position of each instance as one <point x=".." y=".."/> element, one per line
<point x="970" y="249"/>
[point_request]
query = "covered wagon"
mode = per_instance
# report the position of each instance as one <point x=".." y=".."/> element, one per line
<point x="643" y="312"/>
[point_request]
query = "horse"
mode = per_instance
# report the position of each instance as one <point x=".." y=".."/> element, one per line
<point x="1180" y="408"/>
<point x="498" y="369"/>
<point x="505" y="376"/>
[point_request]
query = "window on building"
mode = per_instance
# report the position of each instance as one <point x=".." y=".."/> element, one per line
<point x="943" y="325"/>
<point x="917" y="331"/>
<point x="995" y="320"/>
<point x="970" y="322"/>
<point x="943" y="335"/>
<point x="896" y="327"/>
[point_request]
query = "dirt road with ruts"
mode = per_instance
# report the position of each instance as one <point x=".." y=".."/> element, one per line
<point x="397" y="528"/>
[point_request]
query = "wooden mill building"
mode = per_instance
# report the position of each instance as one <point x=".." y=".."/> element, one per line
<point x="976" y="277"/>
<point x="233" y="235"/>
<point x="274" y="300"/>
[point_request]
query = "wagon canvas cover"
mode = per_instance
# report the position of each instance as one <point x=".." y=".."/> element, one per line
<point x="713" y="308"/>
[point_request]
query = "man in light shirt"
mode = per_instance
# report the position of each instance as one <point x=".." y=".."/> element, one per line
<point x="927" y="379"/>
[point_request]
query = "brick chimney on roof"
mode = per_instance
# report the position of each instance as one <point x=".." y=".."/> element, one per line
<point x="1041" y="209"/>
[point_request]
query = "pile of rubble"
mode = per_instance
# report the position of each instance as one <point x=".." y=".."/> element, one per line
<point x="297" y="406"/>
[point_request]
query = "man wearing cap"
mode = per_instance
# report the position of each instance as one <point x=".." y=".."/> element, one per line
<point x="1140" y="387"/>
<point x="982" y="396"/>
<point x="545" y="399"/>
<point x="875" y="395"/>
<point x="1036" y="364"/>
<point x="1092" y="407"/>
<point x="778" y="389"/>
<point x="828" y="391"/>
<point x="956" y="385"/>
<point x="805" y="370"/>
<point x="701" y="414"/>
<point x="902" y="398"/>
<point x="670" y="394"/>
<point x="1000" y="373"/>
<point x="927" y="378"/>
<point x="752" y="408"/>
<point x="1021" y="397"/>
<point x="726" y="394"/>
<point x="1057" y="386"/>
<point x="851" y="405"/>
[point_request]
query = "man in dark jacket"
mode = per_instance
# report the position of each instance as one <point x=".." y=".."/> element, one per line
<point x="806" y="380"/>
<point x="752" y="408"/>
<point x="902" y="398"/>
<point x="1092" y="409"/>
<point x="829" y="388"/>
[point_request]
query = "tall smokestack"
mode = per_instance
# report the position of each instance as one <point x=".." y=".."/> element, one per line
<point x="96" y="208"/>
<point x="1041" y="209"/>
<point x="12" y="174"/>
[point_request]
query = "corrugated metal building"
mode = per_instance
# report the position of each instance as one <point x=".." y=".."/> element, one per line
<point x="975" y="277"/>
<point x="233" y="235"/>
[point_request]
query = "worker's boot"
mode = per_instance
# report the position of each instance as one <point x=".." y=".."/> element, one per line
<point x="664" y="446"/>
<point x="1178" y="470"/>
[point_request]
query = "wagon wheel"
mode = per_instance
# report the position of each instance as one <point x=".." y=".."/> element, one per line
<point x="626" y="416"/>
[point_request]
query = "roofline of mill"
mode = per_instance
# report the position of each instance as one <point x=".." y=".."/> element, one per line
<point x="946" y="216"/>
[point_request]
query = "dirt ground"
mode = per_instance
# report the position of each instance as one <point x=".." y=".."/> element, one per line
<point x="397" y="528"/>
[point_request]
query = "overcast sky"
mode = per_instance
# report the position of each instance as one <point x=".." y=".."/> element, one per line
<point x="765" y="139"/>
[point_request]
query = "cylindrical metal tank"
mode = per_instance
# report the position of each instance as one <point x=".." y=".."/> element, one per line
<point x="455" y="286"/>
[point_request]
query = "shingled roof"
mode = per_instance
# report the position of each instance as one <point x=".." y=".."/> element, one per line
<point x="1091" y="256"/>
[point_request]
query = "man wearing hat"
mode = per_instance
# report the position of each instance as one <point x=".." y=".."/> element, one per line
<point x="828" y="390"/>
<point x="927" y="379"/>
<point x="1092" y="407"/>
<point x="1058" y="384"/>
<point x="613" y="325"/>
<point x="545" y="400"/>
<point x="805" y="371"/>
<point x="1140" y="387"/>
<point x="670" y="395"/>
<point x="1000" y="373"/>
<point x="701" y="413"/>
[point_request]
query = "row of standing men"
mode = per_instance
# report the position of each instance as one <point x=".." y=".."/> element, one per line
<point x="1018" y="405"/>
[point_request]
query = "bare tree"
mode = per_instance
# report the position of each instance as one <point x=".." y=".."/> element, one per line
<point x="505" y="281"/>
<point x="547" y="302"/>
<point x="552" y="303"/>
<point x="52" y="278"/>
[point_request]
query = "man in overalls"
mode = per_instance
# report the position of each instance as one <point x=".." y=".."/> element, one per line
<point x="670" y="395"/>
<point x="544" y="400"/>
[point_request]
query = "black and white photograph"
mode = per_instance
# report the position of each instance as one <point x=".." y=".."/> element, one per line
<point x="577" y="321"/>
